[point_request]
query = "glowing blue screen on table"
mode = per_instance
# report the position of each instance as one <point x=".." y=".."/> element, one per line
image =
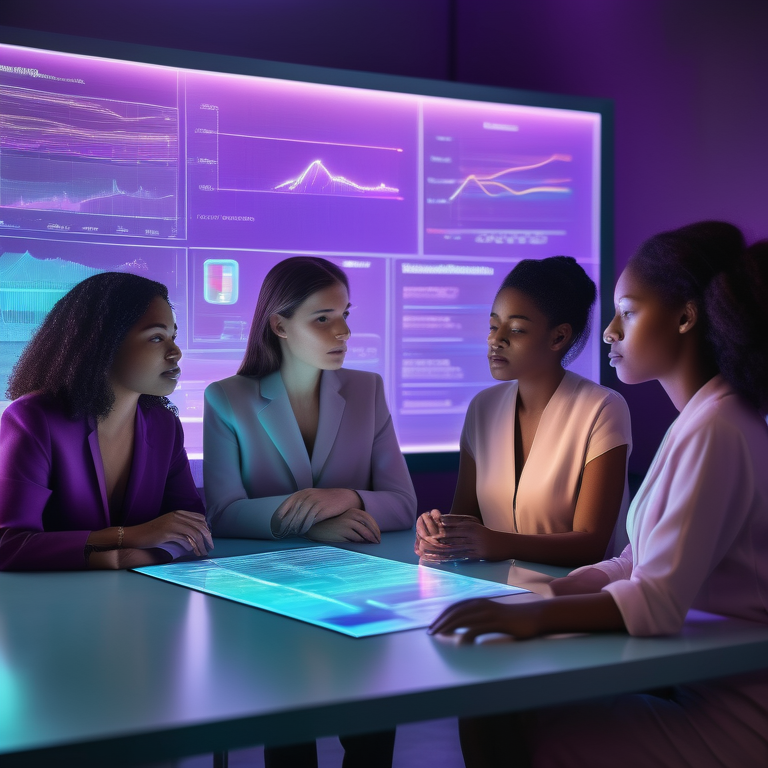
<point x="358" y="595"/>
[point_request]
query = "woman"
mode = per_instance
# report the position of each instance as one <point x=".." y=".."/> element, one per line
<point x="93" y="472"/>
<point x="546" y="451"/>
<point x="690" y="313"/>
<point x="295" y="445"/>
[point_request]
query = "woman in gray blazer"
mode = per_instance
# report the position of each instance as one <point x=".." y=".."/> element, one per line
<point x="294" y="444"/>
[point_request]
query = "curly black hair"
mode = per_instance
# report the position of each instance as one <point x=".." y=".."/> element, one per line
<point x="71" y="354"/>
<point x="562" y="291"/>
<point x="708" y="263"/>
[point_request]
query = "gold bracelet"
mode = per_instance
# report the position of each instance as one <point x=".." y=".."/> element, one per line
<point x="120" y="533"/>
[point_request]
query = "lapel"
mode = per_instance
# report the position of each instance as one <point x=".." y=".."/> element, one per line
<point x="279" y="422"/>
<point x="555" y="413"/>
<point x="331" y="411"/>
<point x="511" y="415"/>
<point x="141" y="452"/>
<point x="93" y="443"/>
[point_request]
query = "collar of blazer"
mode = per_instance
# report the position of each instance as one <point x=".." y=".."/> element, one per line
<point x="279" y="422"/>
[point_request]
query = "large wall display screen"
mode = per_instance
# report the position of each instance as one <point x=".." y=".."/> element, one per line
<point x="204" y="180"/>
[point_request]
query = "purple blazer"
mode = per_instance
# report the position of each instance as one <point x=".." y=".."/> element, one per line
<point x="52" y="488"/>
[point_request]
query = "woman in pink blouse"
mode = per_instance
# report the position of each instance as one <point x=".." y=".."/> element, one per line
<point x="691" y="311"/>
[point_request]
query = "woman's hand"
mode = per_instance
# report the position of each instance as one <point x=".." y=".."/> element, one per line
<point x="186" y="528"/>
<point x="483" y="616"/>
<point x="587" y="582"/>
<point x="428" y="528"/>
<point x="465" y="537"/>
<point x="303" y="509"/>
<point x="352" y="525"/>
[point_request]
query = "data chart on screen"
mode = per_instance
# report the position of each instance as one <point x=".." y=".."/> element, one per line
<point x="204" y="180"/>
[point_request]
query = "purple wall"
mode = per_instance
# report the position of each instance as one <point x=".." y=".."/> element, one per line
<point x="688" y="78"/>
<point x="690" y="83"/>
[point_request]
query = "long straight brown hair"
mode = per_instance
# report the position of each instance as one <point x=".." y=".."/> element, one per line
<point x="286" y="286"/>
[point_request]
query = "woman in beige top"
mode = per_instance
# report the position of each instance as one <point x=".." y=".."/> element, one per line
<point x="546" y="451"/>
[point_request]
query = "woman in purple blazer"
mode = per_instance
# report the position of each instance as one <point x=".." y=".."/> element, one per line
<point x="93" y="472"/>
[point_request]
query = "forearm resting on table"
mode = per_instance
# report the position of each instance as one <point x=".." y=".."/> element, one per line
<point x="579" y="613"/>
<point x="106" y="537"/>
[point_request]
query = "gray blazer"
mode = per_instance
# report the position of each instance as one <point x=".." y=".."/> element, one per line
<point x="255" y="457"/>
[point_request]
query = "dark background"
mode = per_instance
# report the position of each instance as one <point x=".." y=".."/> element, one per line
<point x="689" y="79"/>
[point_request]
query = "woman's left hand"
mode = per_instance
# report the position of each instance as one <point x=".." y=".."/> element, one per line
<point x="303" y="509"/>
<point x="484" y="616"/>
<point x="464" y="536"/>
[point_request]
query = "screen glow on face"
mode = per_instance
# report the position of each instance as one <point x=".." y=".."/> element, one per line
<point x="352" y="593"/>
<point x="204" y="181"/>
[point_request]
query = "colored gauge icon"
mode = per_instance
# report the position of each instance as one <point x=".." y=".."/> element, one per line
<point x="221" y="279"/>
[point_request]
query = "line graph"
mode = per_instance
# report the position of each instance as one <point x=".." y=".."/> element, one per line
<point x="310" y="141"/>
<point x="495" y="184"/>
<point x="249" y="162"/>
<point x="317" y="175"/>
<point x="50" y="123"/>
<point x="316" y="179"/>
<point x="90" y="164"/>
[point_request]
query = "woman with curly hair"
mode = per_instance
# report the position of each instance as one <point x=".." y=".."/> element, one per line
<point x="93" y="472"/>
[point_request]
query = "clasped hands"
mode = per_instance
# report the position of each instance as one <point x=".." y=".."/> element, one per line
<point x="443" y="538"/>
<point x="325" y="514"/>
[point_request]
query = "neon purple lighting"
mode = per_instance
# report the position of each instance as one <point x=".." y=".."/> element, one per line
<point x="205" y="180"/>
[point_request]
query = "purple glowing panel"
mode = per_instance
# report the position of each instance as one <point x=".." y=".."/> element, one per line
<point x="205" y="180"/>
<point x="277" y="164"/>
<point x="89" y="146"/>
<point x="504" y="180"/>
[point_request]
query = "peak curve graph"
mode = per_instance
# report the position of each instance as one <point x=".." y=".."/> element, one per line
<point x="316" y="179"/>
<point x="496" y="185"/>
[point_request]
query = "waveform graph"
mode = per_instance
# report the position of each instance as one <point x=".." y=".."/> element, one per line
<point x="274" y="164"/>
<point x="316" y="179"/>
<point x="81" y="164"/>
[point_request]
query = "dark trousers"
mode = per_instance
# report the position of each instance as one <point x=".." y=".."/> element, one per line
<point x="370" y="750"/>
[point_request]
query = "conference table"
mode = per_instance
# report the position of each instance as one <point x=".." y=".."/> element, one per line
<point x="116" y="668"/>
